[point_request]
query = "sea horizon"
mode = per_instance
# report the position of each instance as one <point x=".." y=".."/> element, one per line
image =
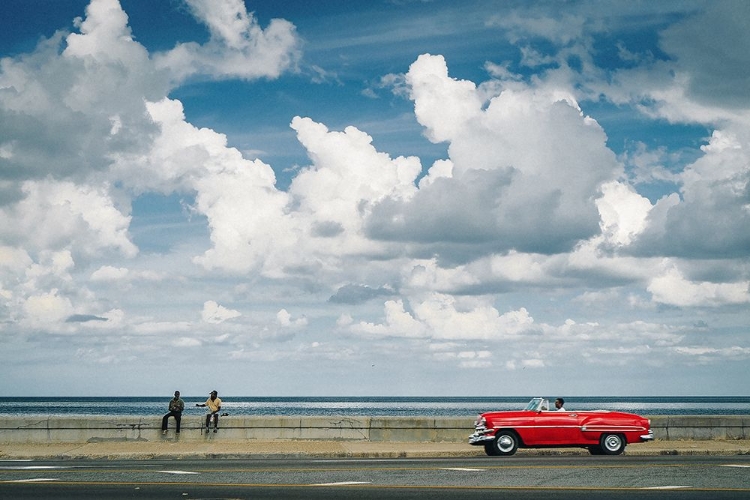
<point x="401" y="406"/>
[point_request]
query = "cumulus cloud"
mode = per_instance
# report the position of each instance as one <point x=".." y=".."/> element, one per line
<point x="673" y="289"/>
<point x="713" y="188"/>
<point x="106" y="83"/>
<point x="285" y="319"/>
<point x="317" y="223"/>
<point x="623" y="212"/>
<point x="216" y="314"/>
<point x="443" y="317"/>
<point x="109" y="273"/>
<point x="76" y="100"/>
<point x="398" y="323"/>
<point x="60" y="215"/>
<point x="528" y="159"/>
<point x="238" y="47"/>
<point x="347" y="179"/>
<point x="47" y="308"/>
<point x="245" y="212"/>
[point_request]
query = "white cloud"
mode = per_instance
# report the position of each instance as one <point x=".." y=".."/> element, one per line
<point x="443" y="317"/>
<point x="216" y="314"/>
<point x="440" y="169"/>
<point x="109" y="273"/>
<point x="122" y="274"/>
<point x="285" y="319"/>
<point x="713" y="189"/>
<point x="529" y="159"/>
<point x="532" y="363"/>
<point x="57" y="264"/>
<point x="710" y="353"/>
<point x="47" y="308"/>
<point x="187" y="342"/>
<point x="635" y="333"/>
<point x="623" y="212"/>
<point x="115" y="318"/>
<point x="253" y="225"/>
<point x="475" y="359"/>
<point x="238" y="48"/>
<point x="444" y="105"/>
<point x="398" y="323"/>
<point x="673" y="289"/>
<point x="63" y="215"/>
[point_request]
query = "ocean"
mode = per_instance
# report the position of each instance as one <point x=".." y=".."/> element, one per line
<point x="366" y="406"/>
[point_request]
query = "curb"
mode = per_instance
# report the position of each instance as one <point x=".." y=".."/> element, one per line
<point x="363" y="455"/>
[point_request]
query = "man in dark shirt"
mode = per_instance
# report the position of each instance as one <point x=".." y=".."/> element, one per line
<point x="176" y="406"/>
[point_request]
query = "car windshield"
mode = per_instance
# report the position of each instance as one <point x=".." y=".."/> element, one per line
<point x="537" y="404"/>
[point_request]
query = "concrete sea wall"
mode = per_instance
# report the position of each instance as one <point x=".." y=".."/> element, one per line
<point x="394" y="429"/>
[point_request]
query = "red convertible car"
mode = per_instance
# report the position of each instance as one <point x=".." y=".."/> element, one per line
<point x="602" y="432"/>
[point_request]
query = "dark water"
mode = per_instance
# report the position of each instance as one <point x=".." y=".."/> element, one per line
<point x="369" y="406"/>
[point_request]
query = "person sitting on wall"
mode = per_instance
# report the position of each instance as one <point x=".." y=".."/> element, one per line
<point x="214" y="407"/>
<point x="176" y="407"/>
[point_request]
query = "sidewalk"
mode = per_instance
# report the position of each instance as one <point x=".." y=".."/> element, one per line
<point x="170" y="449"/>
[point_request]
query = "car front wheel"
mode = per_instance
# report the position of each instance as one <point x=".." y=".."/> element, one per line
<point x="612" y="444"/>
<point x="505" y="444"/>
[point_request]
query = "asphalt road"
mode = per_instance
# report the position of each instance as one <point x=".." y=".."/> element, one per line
<point x="673" y="477"/>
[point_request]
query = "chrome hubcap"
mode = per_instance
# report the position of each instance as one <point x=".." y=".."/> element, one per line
<point x="612" y="443"/>
<point x="505" y="443"/>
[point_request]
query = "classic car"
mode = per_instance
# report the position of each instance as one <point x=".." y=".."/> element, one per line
<point x="602" y="432"/>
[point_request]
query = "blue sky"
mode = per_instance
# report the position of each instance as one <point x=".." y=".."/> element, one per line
<point x="374" y="198"/>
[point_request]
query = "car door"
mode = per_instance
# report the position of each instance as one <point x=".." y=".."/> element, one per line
<point x="557" y="428"/>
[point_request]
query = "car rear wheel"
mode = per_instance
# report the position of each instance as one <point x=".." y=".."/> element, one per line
<point x="612" y="444"/>
<point x="505" y="443"/>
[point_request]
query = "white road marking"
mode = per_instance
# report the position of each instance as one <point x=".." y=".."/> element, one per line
<point x="665" y="487"/>
<point x="178" y="472"/>
<point x="464" y="469"/>
<point x="342" y="483"/>
<point x="34" y="480"/>
<point x="34" y="467"/>
<point x="736" y="465"/>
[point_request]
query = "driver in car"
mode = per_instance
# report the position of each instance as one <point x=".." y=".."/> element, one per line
<point x="559" y="402"/>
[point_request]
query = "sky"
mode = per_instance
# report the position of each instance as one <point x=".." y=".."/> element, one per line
<point x="381" y="198"/>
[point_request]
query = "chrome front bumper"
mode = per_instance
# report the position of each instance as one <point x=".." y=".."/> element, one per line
<point x="482" y="436"/>
<point x="648" y="437"/>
